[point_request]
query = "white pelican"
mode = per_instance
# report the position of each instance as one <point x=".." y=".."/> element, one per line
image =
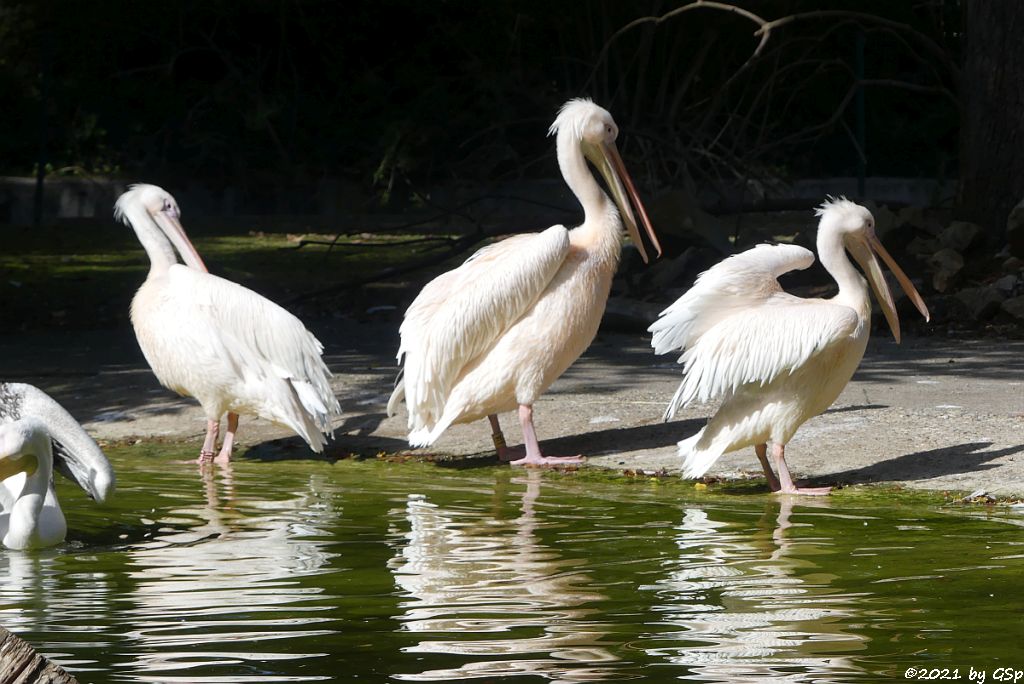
<point x="36" y="436"/>
<point x="774" y="359"/>
<point x="209" y="338"/>
<point x="494" y="333"/>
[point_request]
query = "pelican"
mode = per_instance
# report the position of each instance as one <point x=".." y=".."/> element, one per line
<point x="774" y="359"/>
<point x="36" y="436"/>
<point x="494" y="333"/>
<point x="221" y="343"/>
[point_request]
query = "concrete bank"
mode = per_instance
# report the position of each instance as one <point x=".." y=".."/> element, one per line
<point x="932" y="413"/>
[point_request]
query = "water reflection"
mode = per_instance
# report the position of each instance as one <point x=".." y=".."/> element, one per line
<point x="488" y="591"/>
<point x="253" y="573"/>
<point x="36" y="589"/>
<point x="748" y="607"/>
<point x="207" y="593"/>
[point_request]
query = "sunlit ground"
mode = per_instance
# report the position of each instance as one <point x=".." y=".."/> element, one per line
<point x="83" y="275"/>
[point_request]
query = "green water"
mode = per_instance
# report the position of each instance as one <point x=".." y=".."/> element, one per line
<point x="302" y="570"/>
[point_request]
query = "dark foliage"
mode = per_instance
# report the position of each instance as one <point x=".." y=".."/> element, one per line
<point x="294" y="90"/>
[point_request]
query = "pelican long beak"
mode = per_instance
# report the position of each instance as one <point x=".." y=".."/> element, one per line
<point x="873" y="270"/>
<point x="174" y="231"/>
<point x="609" y="163"/>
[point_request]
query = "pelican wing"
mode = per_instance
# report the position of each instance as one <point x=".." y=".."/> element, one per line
<point x="759" y="345"/>
<point x="731" y="286"/>
<point x="262" y="341"/>
<point x="736" y="325"/>
<point x="462" y="313"/>
<point x="76" y="455"/>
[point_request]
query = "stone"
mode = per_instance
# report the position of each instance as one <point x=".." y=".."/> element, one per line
<point x="1015" y="230"/>
<point x="1007" y="284"/>
<point x="1015" y="307"/>
<point x="921" y="246"/>
<point x="939" y="307"/>
<point x="668" y="272"/>
<point x="947" y="264"/>
<point x="623" y="313"/>
<point x="678" y="213"/>
<point x="961" y="235"/>
<point x="920" y="219"/>
<point x="979" y="303"/>
<point x="1013" y="265"/>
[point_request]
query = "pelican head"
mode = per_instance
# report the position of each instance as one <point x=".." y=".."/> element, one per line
<point x="855" y="227"/>
<point x="594" y="130"/>
<point x="149" y="201"/>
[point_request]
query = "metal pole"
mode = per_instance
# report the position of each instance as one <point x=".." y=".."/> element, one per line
<point x="45" y="58"/>
<point x="861" y="124"/>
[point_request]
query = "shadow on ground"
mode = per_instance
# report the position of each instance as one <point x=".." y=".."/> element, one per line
<point x="615" y="440"/>
<point x="925" y="465"/>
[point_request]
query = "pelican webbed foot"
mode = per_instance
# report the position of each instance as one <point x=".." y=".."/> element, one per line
<point x="785" y="480"/>
<point x="540" y="461"/>
<point x="229" y="440"/>
<point x="806" y="491"/>
<point x="533" y="455"/>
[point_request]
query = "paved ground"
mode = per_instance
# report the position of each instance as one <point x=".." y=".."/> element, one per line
<point x="932" y="413"/>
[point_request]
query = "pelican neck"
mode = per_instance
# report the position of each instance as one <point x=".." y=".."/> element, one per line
<point x="158" y="247"/>
<point x="23" y="523"/>
<point x="853" y="288"/>
<point x="578" y="176"/>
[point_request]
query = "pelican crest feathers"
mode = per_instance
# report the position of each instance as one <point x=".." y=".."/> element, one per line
<point x="571" y="114"/>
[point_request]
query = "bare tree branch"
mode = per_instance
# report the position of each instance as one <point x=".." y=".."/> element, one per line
<point x="937" y="50"/>
<point x="698" y="4"/>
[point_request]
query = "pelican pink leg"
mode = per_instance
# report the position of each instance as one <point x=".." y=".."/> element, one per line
<point x="533" y="455"/>
<point x="210" y="443"/>
<point x="786" y="485"/>
<point x="762" y="456"/>
<point x="229" y="439"/>
<point x="504" y="453"/>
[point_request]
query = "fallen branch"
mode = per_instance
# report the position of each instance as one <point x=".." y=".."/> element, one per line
<point x="358" y="245"/>
<point x="459" y="246"/>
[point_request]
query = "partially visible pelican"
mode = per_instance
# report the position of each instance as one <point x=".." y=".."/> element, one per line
<point x="209" y="338"/>
<point x="494" y="333"/>
<point x="774" y="359"/>
<point x="36" y="436"/>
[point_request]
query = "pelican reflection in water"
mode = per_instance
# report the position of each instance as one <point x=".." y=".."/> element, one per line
<point x="487" y="592"/>
<point x="742" y="607"/>
<point x="220" y="579"/>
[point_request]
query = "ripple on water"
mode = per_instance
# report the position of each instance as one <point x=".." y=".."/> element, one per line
<point x="304" y="571"/>
<point x="766" y="621"/>
<point x="462" y="577"/>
